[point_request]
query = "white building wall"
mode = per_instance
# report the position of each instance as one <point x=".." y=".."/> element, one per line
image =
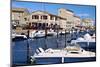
<point x="69" y="15"/>
<point x="77" y="21"/>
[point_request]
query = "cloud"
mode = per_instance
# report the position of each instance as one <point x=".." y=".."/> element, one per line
<point x="83" y="15"/>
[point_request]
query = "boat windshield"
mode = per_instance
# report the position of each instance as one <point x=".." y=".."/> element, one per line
<point x="74" y="52"/>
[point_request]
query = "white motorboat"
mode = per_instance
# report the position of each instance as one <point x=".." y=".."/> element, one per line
<point x="72" y="31"/>
<point x="51" y="33"/>
<point x="78" y="31"/>
<point x="62" y="32"/>
<point x="72" y="53"/>
<point x="14" y="35"/>
<point x="89" y="40"/>
<point x="39" y="34"/>
<point x="18" y="37"/>
<point x="32" y="34"/>
<point x="94" y="36"/>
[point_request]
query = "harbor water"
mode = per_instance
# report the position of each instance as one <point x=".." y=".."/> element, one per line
<point x="19" y="48"/>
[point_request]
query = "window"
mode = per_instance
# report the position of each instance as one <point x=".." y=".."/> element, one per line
<point x="56" y="18"/>
<point x="41" y="17"/>
<point x="29" y="24"/>
<point x="35" y="17"/>
<point x="25" y="19"/>
<point x="26" y="22"/>
<point x="51" y="17"/>
<point x="44" y="17"/>
<point x="17" y="22"/>
<point x="68" y="22"/>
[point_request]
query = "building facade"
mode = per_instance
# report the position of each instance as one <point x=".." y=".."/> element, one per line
<point x="17" y="15"/>
<point x="69" y="15"/>
<point x="87" y="22"/>
<point x="42" y="19"/>
<point x="77" y="21"/>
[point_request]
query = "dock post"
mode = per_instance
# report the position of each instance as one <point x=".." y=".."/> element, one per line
<point x="88" y="45"/>
<point x="28" y="51"/>
<point x="45" y="36"/>
<point x="62" y="60"/>
<point x="65" y="38"/>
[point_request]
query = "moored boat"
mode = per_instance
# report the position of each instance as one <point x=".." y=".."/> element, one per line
<point x="75" y="53"/>
<point x="51" y="33"/>
<point x="39" y="34"/>
<point x="86" y="42"/>
<point x="18" y="36"/>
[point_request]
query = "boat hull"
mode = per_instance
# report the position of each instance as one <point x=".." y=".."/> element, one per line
<point x="56" y="60"/>
<point x="19" y="39"/>
<point x="40" y="36"/>
<point x="90" y="47"/>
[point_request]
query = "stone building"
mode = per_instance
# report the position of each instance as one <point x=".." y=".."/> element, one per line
<point x="69" y="15"/>
<point x="40" y="19"/>
<point x="17" y="15"/>
<point x="77" y="21"/>
<point x="87" y="22"/>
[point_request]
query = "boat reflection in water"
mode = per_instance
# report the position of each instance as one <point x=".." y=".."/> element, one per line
<point x="72" y="53"/>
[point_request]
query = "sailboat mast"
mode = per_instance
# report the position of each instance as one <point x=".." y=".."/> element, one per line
<point x="57" y="30"/>
<point x="28" y="52"/>
<point x="43" y="4"/>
